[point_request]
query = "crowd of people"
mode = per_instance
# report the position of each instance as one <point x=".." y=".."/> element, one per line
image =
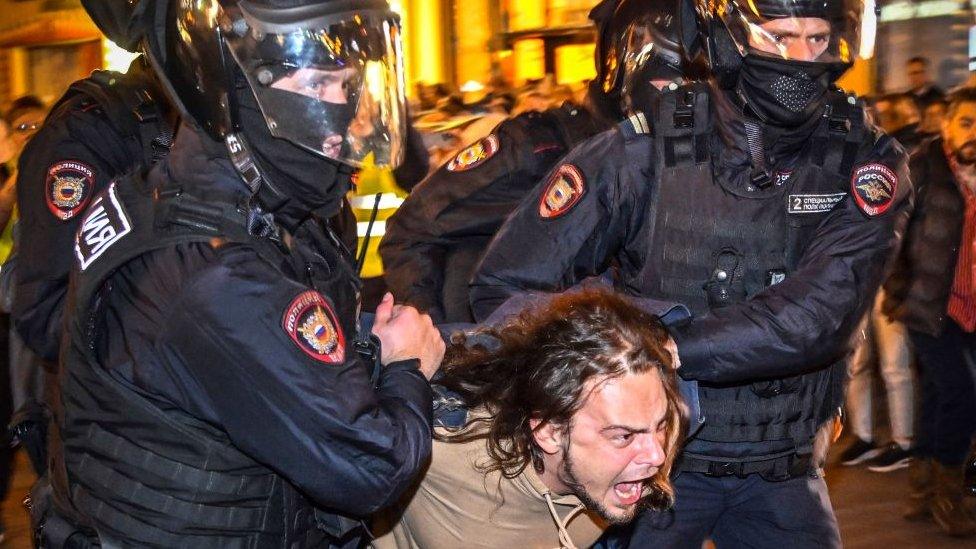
<point x="621" y="315"/>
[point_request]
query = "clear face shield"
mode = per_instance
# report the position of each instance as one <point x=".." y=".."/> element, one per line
<point x="824" y="31"/>
<point x="332" y="84"/>
<point x="640" y="51"/>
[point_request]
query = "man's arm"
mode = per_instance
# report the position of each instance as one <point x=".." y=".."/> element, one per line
<point x="467" y="198"/>
<point x="315" y="419"/>
<point x="804" y="322"/>
<point x="58" y="174"/>
<point x="564" y="231"/>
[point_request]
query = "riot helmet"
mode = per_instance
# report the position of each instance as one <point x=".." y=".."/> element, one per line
<point x="124" y="22"/>
<point x="781" y="56"/>
<point x="638" y="42"/>
<point x="325" y="75"/>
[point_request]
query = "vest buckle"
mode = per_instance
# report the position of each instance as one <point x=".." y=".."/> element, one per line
<point x="839" y="125"/>
<point x="684" y="119"/>
<point x="724" y="469"/>
<point x="760" y="179"/>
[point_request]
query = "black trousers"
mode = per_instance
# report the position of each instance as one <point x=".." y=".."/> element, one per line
<point x="742" y="512"/>
<point x="947" y="414"/>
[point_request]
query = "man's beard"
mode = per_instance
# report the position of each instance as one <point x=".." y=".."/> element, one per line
<point x="568" y="477"/>
<point x="966" y="153"/>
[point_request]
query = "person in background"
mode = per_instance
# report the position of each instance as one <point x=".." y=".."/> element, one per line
<point x="7" y="204"/>
<point x="25" y="116"/>
<point x="932" y="290"/>
<point x="921" y="87"/>
<point x="888" y="341"/>
<point x="932" y="118"/>
<point x="898" y="116"/>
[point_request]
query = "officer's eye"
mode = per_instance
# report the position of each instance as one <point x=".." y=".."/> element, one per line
<point x="819" y="38"/>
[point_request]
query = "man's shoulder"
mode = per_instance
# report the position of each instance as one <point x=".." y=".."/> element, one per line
<point x="880" y="178"/>
<point x="199" y="271"/>
<point x="605" y="150"/>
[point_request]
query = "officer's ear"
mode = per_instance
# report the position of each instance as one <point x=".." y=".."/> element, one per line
<point x="548" y="435"/>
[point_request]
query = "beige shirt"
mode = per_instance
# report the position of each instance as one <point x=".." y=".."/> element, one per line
<point x="456" y="505"/>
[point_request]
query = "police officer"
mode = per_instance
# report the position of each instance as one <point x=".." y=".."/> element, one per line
<point x="217" y="389"/>
<point x="769" y="207"/>
<point x="434" y="241"/>
<point x="104" y="126"/>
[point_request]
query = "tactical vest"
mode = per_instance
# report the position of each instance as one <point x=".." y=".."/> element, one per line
<point x="131" y="472"/>
<point x="721" y="238"/>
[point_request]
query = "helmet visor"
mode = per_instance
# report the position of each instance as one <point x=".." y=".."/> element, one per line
<point x="826" y="31"/>
<point x="332" y="84"/>
<point x="643" y="47"/>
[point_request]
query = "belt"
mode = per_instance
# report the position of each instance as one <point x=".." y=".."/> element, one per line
<point x="776" y="469"/>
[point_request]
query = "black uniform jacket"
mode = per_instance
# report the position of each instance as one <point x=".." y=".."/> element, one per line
<point x="437" y="236"/>
<point x="71" y="158"/>
<point x="205" y="328"/>
<point x="781" y="331"/>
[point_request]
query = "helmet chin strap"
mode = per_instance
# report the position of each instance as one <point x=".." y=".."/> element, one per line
<point x="267" y="194"/>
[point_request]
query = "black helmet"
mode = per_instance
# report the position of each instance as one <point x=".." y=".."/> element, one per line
<point x="124" y="22"/>
<point x="638" y="41"/>
<point x="326" y="74"/>
<point x="829" y="32"/>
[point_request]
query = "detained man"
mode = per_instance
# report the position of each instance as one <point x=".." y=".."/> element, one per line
<point x="572" y="425"/>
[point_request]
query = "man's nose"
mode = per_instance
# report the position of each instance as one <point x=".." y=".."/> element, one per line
<point x="651" y="452"/>
<point x="802" y="50"/>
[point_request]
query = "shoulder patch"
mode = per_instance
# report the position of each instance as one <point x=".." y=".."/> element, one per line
<point x="874" y="186"/>
<point x="311" y="324"/>
<point x="565" y="188"/>
<point x="104" y="224"/>
<point x="68" y="188"/>
<point x="474" y="155"/>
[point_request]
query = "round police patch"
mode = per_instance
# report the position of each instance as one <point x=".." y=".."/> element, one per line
<point x="874" y="186"/>
<point x="566" y="187"/>
<point x="474" y="155"/>
<point x="68" y="188"/>
<point x="311" y="324"/>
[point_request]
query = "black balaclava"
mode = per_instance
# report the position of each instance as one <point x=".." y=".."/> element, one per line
<point x="782" y="92"/>
<point x="312" y="184"/>
<point x="640" y="94"/>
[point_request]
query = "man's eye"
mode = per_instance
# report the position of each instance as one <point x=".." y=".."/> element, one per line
<point x="623" y="439"/>
<point x="819" y="39"/>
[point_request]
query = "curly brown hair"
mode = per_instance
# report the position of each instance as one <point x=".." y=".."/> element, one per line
<point x="539" y="370"/>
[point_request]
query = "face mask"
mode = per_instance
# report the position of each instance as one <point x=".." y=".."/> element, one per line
<point x="783" y="92"/>
<point x="321" y="120"/>
<point x="309" y="180"/>
<point x="639" y="93"/>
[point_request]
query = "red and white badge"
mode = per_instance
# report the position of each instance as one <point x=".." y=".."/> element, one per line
<point x="474" y="155"/>
<point x="566" y="187"/>
<point x="311" y="324"/>
<point x="874" y="186"/>
<point x="68" y="188"/>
